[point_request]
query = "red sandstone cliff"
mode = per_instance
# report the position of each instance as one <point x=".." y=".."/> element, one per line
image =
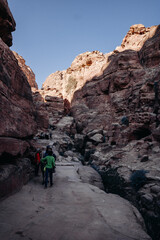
<point x="113" y="72"/>
<point x="26" y="70"/>
<point x="115" y="107"/>
<point x="17" y="114"/>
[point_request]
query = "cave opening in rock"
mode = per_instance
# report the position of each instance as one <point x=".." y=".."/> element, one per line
<point x="7" y="158"/>
<point x="141" y="133"/>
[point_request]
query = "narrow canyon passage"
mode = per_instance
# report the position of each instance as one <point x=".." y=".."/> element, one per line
<point x="69" y="210"/>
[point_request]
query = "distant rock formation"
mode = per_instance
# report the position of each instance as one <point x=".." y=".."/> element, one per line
<point x="83" y="68"/>
<point x="7" y="23"/>
<point x="137" y="35"/>
<point x="27" y="70"/>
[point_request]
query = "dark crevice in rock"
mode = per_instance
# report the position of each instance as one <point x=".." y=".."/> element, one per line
<point x="141" y="133"/>
<point x="19" y="138"/>
<point x="115" y="184"/>
<point x="7" y="158"/>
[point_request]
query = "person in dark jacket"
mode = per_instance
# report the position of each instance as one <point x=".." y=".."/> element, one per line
<point x="43" y="163"/>
<point x="49" y="162"/>
<point x="46" y="152"/>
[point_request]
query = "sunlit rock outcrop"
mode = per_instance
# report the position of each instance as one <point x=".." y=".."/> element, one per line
<point x="84" y="67"/>
<point x="27" y="70"/>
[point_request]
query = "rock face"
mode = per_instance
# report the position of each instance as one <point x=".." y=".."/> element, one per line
<point x="136" y="37"/>
<point x="83" y="68"/>
<point x="17" y="121"/>
<point x="116" y="116"/>
<point x="57" y="92"/>
<point x="7" y="23"/>
<point x="27" y="71"/>
<point x="17" y="112"/>
<point x="16" y="108"/>
<point x="49" y="108"/>
<point x="14" y="176"/>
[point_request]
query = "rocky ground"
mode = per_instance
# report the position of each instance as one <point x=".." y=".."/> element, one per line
<point x="71" y="209"/>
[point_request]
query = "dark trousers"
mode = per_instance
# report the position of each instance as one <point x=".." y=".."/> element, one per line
<point x="36" y="169"/>
<point x="43" y="173"/>
<point x="48" y="172"/>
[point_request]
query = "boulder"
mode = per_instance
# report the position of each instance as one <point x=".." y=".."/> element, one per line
<point x="65" y="124"/>
<point x="14" y="147"/>
<point x="90" y="175"/>
<point x="13" y="177"/>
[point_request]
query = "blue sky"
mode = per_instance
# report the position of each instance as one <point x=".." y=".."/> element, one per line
<point x="50" y="34"/>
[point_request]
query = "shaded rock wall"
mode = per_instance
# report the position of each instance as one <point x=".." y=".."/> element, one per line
<point x="49" y="109"/>
<point x="14" y="176"/>
<point x="7" y="23"/>
<point x="124" y="100"/>
<point x="17" y="112"/>
<point x="116" y="116"/>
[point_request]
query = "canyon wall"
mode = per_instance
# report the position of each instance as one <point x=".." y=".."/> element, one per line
<point x="114" y="100"/>
<point x="17" y="112"/>
<point x="117" y="114"/>
<point x="106" y="104"/>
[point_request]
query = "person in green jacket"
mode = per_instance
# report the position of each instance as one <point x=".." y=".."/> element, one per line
<point x="49" y="166"/>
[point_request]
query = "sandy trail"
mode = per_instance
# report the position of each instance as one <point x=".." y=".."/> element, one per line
<point x="70" y="210"/>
